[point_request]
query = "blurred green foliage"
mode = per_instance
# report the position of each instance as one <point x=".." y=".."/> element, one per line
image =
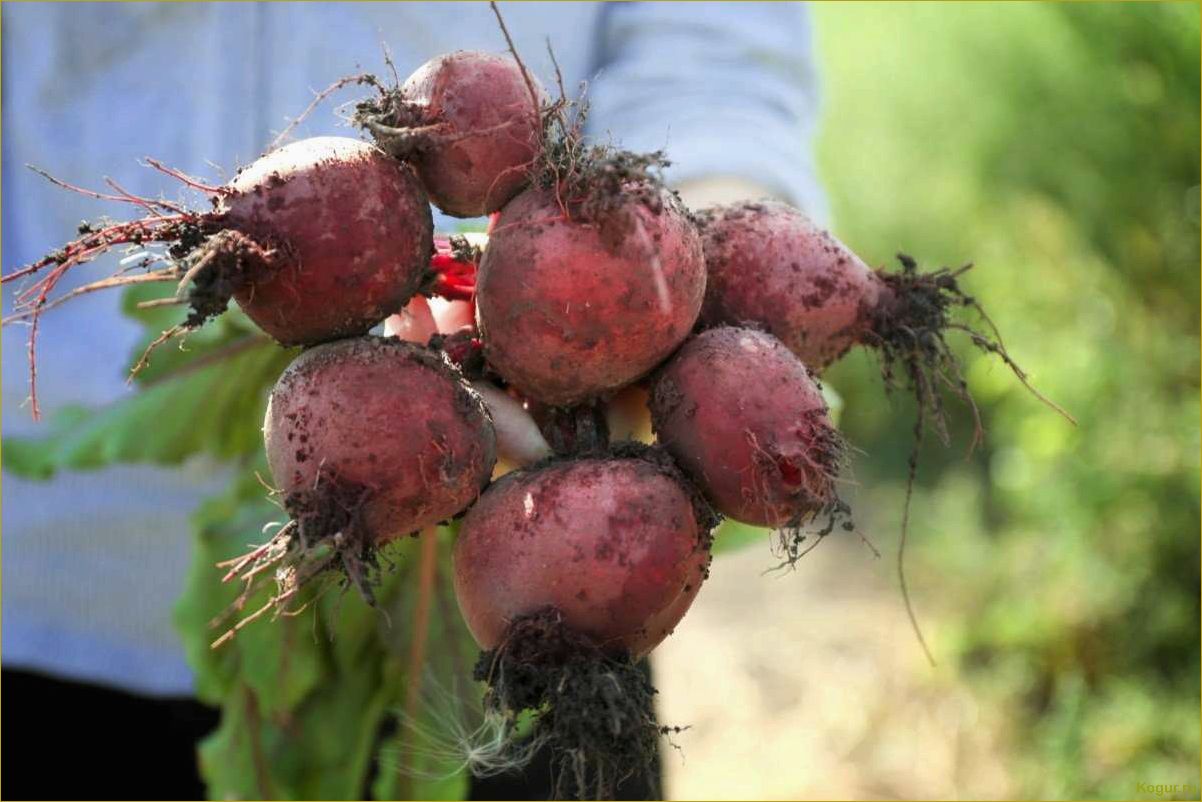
<point x="1057" y="147"/>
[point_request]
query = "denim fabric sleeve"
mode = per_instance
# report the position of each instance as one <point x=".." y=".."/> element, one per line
<point x="724" y="88"/>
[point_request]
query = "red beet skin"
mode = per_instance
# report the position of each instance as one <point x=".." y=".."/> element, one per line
<point x="742" y="417"/>
<point x="352" y="234"/>
<point x="568" y="314"/>
<point x="385" y="416"/>
<point x="613" y="544"/>
<point x="770" y="266"/>
<point x="489" y="130"/>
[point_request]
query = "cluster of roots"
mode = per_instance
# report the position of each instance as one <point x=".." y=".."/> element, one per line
<point x="799" y="536"/>
<point x="326" y="537"/>
<point x="397" y="126"/>
<point x="797" y="539"/>
<point x="600" y="184"/>
<point x="909" y="332"/>
<point x="827" y="458"/>
<point x="592" y="180"/>
<point x="207" y="262"/>
<point x="591" y="709"/>
<point x="215" y="269"/>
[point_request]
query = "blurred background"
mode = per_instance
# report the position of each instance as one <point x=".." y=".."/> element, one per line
<point x="1055" y="571"/>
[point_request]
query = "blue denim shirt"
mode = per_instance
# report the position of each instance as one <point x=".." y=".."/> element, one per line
<point x="94" y="561"/>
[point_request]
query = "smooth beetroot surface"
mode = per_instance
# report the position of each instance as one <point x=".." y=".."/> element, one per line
<point x="352" y="234"/>
<point x="483" y="152"/>
<point x="748" y="424"/>
<point x="386" y="417"/>
<point x="568" y="313"/>
<point x="772" y="267"/>
<point x="614" y="545"/>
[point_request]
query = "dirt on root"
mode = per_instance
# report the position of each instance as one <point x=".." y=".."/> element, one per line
<point x="909" y="328"/>
<point x="325" y="538"/>
<point x="332" y="518"/>
<point x="593" y="710"/>
<point x="220" y="266"/>
<point x="598" y="183"/>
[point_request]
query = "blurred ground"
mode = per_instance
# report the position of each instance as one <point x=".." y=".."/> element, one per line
<point x="813" y="685"/>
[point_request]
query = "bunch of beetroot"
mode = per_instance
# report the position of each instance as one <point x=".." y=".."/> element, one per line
<point x="594" y="279"/>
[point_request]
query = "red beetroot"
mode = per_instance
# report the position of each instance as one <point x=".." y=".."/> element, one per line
<point x="566" y="573"/>
<point x="748" y="424"/>
<point x="573" y="307"/>
<point x="351" y="233"/>
<point x="469" y="124"/>
<point x="320" y="239"/>
<point x="771" y="266"/>
<point x="368" y="439"/>
<point x="610" y="544"/>
<point x="387" y="422"/>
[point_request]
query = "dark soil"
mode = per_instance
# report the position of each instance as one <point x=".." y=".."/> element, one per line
<point x="232" y="258"/>
<point x="593" y="710"/>
<point x="330" y="519"/>
<point x="574" y="431"/>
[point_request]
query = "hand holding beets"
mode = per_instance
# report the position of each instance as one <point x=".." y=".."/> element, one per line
<point x="596" y="283"/>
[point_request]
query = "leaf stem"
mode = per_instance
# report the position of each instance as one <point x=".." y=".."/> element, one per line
<point x="427" y="573"/>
